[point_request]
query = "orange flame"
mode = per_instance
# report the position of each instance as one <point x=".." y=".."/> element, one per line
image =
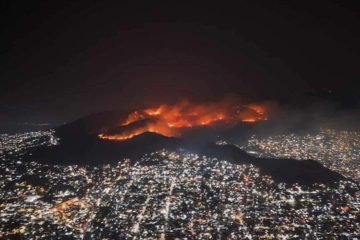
<point x="170" y="119"/>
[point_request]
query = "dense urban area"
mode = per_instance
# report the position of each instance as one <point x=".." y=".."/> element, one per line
<point x="337" y="150"/>
<point x="177" y="194"/>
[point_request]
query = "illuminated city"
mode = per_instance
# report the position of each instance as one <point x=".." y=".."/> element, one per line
<point x="337" y="150"/>
<point x="165" y="195"/>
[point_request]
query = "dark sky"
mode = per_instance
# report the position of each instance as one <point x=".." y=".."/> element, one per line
<point x="60" y="60"/>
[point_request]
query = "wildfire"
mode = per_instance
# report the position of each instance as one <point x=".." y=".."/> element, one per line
<point x="168" y="120"/>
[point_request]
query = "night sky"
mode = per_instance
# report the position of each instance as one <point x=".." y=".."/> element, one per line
<point x="60" y="60"/>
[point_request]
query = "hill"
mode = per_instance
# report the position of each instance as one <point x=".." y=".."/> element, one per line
<point x="80" y="145"/>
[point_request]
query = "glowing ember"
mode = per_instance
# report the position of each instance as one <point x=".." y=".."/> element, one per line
<point x="168" y="120"/>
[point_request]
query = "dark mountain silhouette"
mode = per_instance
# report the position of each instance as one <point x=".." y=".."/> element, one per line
<point x="92" y="124"/>
<point x="90" y="150"/>
<point x="282" y="170"/>
<point x="79" y="144"/>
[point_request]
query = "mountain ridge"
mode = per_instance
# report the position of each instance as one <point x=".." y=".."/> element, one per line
<point x="80" y="145"/>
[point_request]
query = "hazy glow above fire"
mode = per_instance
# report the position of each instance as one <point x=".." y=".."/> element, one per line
<point x="169" y="120"/>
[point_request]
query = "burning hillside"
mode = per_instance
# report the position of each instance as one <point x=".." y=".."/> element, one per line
<point x="169" y="120"/>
